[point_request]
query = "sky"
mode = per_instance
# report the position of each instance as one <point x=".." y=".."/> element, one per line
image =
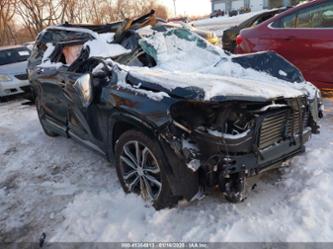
<point x="189" y="7"/>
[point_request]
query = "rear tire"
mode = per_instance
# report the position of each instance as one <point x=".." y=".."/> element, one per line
<point x="141" y="169"/>
<point x="41" y="117"/>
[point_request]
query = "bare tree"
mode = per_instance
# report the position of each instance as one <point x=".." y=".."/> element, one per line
<point x="38" y="14"/>
<point x="35" y="15"/>
<point x="7" y="12"/>
<point x="105" y="11"/>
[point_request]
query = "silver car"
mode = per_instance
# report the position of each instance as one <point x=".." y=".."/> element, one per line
<point x="13" y="75"/>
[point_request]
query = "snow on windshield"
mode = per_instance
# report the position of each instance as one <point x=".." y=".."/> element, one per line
<point x="181" y="50"/>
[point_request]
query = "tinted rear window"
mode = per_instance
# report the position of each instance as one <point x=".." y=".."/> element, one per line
<point x="14" y="55"/>
<point x="318" y="16"/>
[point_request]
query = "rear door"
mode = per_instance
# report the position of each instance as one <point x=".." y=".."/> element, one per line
<point x="48" y="70"/>
<point x="305" y="39"/>
<point x="51" y="92"/>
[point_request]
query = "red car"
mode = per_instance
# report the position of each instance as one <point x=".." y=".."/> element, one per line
<point x="303" y="35"/>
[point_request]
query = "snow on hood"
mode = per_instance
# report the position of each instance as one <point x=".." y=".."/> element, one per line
<point x="184" y="59"/>
<point x="216" y="85"/>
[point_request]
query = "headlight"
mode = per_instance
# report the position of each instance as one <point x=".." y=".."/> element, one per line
<point x="4" y="77"/>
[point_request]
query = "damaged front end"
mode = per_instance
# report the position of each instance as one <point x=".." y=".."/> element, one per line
<point x="225" y="142"/>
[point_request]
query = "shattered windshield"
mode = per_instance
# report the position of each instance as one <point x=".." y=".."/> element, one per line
<point x="180" y="49"/>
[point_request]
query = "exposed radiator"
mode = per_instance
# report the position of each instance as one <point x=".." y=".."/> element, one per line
<point x="279" y="125"/>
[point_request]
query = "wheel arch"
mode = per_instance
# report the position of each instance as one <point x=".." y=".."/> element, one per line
<point x="183" y="181"/>
<point x="119" y="123"/>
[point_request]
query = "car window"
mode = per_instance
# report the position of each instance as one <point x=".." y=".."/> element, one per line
<point x="66" y="54"/>
<point x="285" y="22"/>
<point x="14" y="55"/>
<point x="71" y="53"/>
<point x="263" y="18"/>
<point x="324" y="17"/>
<point x="319" y="16"/>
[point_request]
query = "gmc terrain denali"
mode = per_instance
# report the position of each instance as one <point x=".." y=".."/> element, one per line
<point x="175" y="114"/>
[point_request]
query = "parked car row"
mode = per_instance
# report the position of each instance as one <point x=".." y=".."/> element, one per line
<point x="219" y="12"/>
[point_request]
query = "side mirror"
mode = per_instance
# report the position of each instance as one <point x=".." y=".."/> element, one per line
<point x="83" y="86"/>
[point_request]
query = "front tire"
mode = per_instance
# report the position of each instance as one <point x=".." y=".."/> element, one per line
<point x="141" y="170"/>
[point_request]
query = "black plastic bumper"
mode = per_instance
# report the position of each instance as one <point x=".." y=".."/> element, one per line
<point x="255" y="163"/>
<point x="186" y="183"/>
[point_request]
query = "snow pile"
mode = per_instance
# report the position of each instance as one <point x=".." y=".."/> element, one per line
<point x="120" y="223"/>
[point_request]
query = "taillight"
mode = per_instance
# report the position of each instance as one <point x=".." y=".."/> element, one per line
<point x="239" y="39"/>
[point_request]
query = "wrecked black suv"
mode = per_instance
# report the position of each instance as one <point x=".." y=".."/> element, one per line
<point x="175" y="114"/>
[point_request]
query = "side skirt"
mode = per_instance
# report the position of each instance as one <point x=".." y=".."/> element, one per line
<point x="86" y="143"/>
<point x="59" y="129"/>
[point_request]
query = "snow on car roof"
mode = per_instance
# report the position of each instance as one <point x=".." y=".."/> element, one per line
<point x="101" y="46"/>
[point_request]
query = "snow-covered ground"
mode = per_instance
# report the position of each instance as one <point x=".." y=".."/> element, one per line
<point x="56" y="186"/>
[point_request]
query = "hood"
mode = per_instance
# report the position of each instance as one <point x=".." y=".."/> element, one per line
<point x="210" y="87"/>
<point x="14" y="68"/>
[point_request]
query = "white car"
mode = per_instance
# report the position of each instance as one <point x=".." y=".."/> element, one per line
<point x="13" y="75"/>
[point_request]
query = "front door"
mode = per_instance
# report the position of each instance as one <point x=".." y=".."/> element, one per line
<point x="83" y="121"/>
